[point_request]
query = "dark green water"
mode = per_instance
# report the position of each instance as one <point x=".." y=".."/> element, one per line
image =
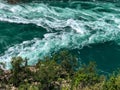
<point x="34" y="30"/>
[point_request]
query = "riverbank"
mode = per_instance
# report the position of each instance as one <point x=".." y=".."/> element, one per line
<point x="59" y="72"/>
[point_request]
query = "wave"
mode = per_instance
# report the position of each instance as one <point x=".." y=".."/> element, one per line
<point x="53" y="42"/>
<point x="70" y="27"/>
<point x="49" y="16"/>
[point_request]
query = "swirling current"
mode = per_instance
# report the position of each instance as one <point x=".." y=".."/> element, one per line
<point x="90" y="29"/>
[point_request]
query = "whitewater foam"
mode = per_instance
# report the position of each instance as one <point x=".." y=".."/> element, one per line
<point x="66" y="28"/>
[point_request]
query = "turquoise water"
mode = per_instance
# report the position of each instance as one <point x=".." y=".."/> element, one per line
<point x="34" y="30"/>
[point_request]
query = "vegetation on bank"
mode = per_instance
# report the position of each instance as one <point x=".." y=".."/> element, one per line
<point x="59" y="72"/>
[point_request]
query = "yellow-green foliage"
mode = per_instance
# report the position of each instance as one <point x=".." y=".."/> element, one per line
<point x="86" y="76"/>
<point x="28" y="87"/>
<point x="113" y="83"/>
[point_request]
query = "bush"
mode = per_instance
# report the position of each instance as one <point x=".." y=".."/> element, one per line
<point x="19" y="71"/>
<point x="113" y="83"/>
<point x="67" y="61"/>
<point x="48" y="71"/>
<point x="86" y="76"/>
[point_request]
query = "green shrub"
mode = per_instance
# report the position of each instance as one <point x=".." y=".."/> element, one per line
<point x="86" y="76"/>
<point x="48" y="71"/>
<point x="67" y="61"/>
<point x="19" y="71"/>
<point x="113" y="83"/>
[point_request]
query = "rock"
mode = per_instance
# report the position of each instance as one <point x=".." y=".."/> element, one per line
<point x="13" y="1"/>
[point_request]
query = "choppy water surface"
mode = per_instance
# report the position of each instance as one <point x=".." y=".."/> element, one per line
<point x="34" y="30"/>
